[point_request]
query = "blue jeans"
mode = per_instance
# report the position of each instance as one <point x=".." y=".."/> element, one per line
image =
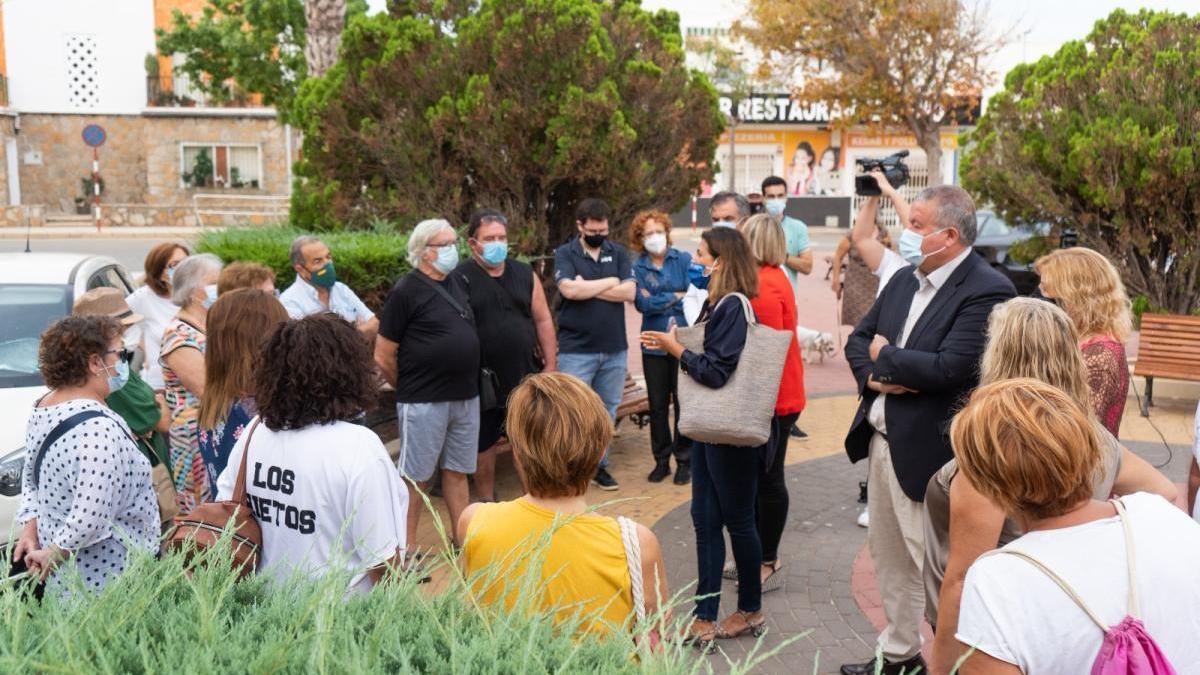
<point x="604" y="373"/>
<point x="724" y="488"/>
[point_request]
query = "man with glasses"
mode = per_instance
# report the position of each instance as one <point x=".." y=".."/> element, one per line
<point x="429" y="351"/>
<point x="516" y="330"/>
<point x="595" y="278"/>
<point x="317" y="289"/>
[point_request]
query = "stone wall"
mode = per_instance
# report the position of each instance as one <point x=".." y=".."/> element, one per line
<point x="21" y="216"/>
<point x="141" y="160"/>
<point x="6" y="132"/>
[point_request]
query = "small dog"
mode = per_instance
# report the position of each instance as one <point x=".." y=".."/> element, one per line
<point x="815" y="345"/>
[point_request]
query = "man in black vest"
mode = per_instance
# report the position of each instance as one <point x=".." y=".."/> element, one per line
<point x="516" y="329"/>
<point x="915" y="356"/>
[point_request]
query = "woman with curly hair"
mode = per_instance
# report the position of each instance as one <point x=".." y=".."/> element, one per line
<point x="323" y="488"/>
<point x="86" y="497"/>
<point x="1087" y="286"/>
<point x="661" y="272"/>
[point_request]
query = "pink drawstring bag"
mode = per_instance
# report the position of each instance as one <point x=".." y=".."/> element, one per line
<point x="1127" y="648"/>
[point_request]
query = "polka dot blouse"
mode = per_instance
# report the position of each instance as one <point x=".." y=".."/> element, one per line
<point x="94" y="496"/>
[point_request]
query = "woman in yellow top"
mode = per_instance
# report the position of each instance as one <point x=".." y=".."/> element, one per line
<point x="559" y="429"/>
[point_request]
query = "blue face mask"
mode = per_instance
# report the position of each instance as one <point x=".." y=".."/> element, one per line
<point x="775" y="207"/>
<point x="210" y="296"/>
<point x="116" y="382"/>
<point x="910" y="246"/>
<point x="170" y="275"/>
<point x="697" y="276"/>
<point x="447" y="259"/>
<point x="495" y="252"/>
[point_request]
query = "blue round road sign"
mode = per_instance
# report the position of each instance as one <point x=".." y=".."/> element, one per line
<point x="94" y="135"/>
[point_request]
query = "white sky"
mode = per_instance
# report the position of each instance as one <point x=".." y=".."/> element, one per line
<point x="1041" y="26"/>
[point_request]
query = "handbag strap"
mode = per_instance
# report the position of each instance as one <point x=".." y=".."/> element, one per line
<point x="239" y="490"/>
<point x="56" y="433"/>
<point x="458" y="307"/>
<point x="1062" y="583"/>
<point x="633" y="556"/>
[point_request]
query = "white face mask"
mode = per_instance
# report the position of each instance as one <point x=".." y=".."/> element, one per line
<point x="655" y="244"/>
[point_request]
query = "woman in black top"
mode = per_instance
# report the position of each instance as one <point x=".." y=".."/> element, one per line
<point x="515" y="327"/>
<point x="724" y="478"/>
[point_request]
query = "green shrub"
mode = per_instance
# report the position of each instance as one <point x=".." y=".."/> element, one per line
<point x="369" y="261"/>
<point x="157" y="618"/>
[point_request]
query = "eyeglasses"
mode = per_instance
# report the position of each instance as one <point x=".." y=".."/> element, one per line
<point x="449" y="243"/>
<point x="122" y="354"/>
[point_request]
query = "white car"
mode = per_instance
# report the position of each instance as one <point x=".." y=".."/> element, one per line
<point x="36" y="289"/>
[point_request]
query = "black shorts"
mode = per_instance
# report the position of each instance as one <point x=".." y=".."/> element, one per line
<point x="491" y="427"/>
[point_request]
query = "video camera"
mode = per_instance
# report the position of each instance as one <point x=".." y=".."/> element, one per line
<point x="893" y="168"/>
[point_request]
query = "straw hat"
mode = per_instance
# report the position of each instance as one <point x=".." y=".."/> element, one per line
<point x="106" y="301"/>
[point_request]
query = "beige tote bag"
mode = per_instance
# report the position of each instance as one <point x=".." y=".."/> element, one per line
<point x="739" y="413"/>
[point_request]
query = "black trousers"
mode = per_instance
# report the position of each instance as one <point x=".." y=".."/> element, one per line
<point x="771" y="507"/>
<point x="662" y="388"/>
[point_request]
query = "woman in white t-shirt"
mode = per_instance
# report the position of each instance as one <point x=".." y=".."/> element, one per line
<point x="1034" y="451"/>
<point x="153" y="302"/>
<point x="323" y="489"/>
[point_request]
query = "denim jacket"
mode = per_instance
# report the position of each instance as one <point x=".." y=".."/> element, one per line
<point x="661" y="304"/>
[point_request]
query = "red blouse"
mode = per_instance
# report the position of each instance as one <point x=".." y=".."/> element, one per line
<point x="775" y="306"/>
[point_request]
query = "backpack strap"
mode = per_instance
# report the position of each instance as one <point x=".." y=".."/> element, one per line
<point x="633" y="557"/>
<point x="1133" y="610"/>
<point x="57" y="433"/>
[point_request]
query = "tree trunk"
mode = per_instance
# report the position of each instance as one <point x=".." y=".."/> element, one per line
<point x="325" y="20"/>
<point x="931" y="143"/>
<point x="733" y="153"/>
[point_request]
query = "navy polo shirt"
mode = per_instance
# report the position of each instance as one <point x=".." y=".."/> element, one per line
<point x="591" y="326"/>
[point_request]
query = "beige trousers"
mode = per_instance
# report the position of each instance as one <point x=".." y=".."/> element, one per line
<point x="896" y="538"/>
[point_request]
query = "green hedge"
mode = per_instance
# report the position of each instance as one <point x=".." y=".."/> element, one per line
<point x="368" y="261"/>
<point x="158" y="618"/>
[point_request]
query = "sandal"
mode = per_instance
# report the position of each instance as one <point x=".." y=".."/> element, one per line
<point x="749" y="625"/>
<point x="774" y="580"/>
<point x="729" y="571"/>
<point x="414" y="564"/>
<point x="701" y="634"/>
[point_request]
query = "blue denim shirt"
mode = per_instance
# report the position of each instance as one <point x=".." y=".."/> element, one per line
<point x="661" y="304"/>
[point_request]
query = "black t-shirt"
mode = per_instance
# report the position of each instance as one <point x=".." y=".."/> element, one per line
<point x="591" y="326"/>
<point x="503" y="308"/>
<point x="438" y="357"/>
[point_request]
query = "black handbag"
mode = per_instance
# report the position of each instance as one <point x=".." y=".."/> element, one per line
<point x="489" y="382"/>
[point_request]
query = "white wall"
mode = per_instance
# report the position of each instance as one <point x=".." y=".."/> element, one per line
<point x="35" y="39"/>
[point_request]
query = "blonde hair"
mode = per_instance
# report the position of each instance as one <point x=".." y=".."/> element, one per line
<point x="767" y="241"/>
<point x="1032" y="338"/>
<point x="1027" y="447"/>
<point x="1089" y="288"/>
<point x="559" y="429"/>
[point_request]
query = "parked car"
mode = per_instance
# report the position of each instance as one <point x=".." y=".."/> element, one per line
<point x="996" y="238"/>
<point x="36" y="289"/>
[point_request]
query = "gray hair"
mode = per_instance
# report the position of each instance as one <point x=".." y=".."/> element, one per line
<point x="190" y="275"/>
<point x="421" y="235"/>
<point x="296" y="252"/>
<point x="954" y="208"/>
<point x="743" y="204"/>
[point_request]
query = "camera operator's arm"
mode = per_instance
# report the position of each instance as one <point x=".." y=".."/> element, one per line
<point x="863" y="235"/>
<point x="893" y="194"/>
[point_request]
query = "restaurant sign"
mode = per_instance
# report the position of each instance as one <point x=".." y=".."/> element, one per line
<point x="775" y="109"/>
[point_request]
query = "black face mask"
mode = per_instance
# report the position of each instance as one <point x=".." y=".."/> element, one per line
<point x="1037" y="295"/>
<point x="594" y="240"/>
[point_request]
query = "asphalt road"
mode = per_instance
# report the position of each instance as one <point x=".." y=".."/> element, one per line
<point x="129" y="252"/>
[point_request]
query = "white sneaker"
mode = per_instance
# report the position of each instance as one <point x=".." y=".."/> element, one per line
<point x="862" y="518"/>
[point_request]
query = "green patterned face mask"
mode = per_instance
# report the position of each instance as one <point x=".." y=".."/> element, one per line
<point x="325" y="277"/>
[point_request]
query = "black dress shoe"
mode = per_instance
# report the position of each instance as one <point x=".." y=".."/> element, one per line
<point x="797" y="432"/>
<point x="660" y="472"/>
<point x="908" y="667"/>
<point x="683" y="474"/>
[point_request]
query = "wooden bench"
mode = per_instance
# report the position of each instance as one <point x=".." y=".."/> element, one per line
<point x="1168" y="347"/>
<point x="635" y="405"/>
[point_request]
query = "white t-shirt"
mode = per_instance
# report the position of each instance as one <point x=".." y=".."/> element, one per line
<point x="1012" y="611"/>
<point x="157" y="312"/>
<point x="324" y="495"/>
<point x="889" y="265"/>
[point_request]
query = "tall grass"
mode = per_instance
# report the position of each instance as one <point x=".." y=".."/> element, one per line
<point x="159" y="618"/>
